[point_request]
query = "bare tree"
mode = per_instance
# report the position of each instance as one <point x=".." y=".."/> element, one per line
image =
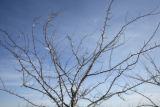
<point x="153" y="77"/>
<point x="150" y="104"/>
<point x="75" y="76"/>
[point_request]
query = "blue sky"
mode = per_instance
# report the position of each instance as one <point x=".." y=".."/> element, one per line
<point x="77" y="18"/>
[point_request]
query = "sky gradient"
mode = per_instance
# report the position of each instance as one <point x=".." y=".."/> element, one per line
<point x="76" y="18"/>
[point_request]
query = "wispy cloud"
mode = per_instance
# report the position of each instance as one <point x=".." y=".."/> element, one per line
<point x="10" y="75"/>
